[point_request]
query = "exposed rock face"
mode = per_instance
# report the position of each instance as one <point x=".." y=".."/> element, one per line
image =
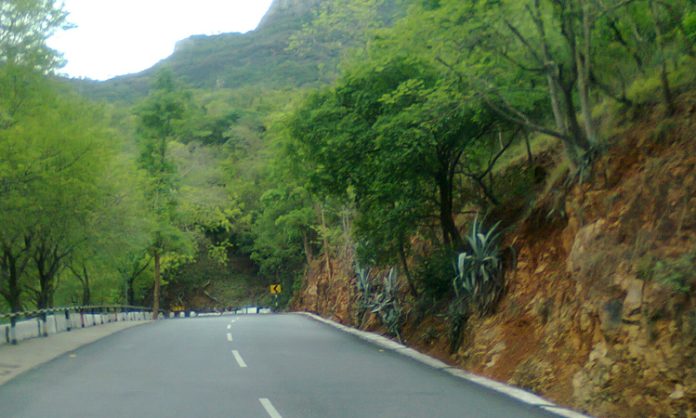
<point x="582" y="322"/>
<point x="286" y="9"/>
<point x="330" y="294"/>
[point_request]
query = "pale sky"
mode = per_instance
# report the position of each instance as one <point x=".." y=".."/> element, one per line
<point x="115" y="37"/>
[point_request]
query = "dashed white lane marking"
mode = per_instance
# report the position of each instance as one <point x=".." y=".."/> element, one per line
<point x="239" y="358"/>
<point x="229" y="326"/>
<point x="229" y="337"/>
<point x="270" y="409"/>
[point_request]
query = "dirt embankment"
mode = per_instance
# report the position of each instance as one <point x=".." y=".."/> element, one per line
<point x="600" y="313"/>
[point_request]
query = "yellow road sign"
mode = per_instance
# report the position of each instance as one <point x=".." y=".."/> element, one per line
<point x="276" y="288"/>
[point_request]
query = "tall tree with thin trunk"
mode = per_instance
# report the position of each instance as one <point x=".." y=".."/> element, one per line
<point x="160" y="115"/>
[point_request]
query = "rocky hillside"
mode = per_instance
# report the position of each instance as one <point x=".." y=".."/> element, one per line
<point x="599" y="313"/>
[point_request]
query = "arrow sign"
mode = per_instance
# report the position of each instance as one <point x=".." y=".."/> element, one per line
<point x="276" y="288"/>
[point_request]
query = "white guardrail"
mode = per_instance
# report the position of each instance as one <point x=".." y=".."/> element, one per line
<point x="19" y="326"/>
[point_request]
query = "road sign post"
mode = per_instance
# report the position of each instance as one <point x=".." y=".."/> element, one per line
<point x="275" y="290"/>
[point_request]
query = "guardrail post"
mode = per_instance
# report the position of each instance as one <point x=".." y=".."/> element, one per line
<point x="56" y="328"/>
<point x="44" y="326"/>
<point x="67" y="320"/>
<point x="13" y="330"/>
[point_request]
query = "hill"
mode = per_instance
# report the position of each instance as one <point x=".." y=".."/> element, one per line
<point x="230" y="60"/>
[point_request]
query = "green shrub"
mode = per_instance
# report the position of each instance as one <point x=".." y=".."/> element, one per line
<point x="676" y="273"/>
<point x="434" y="274"/>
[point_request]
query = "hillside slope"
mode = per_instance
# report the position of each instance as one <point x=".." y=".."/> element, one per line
<point x="598" y="314"/>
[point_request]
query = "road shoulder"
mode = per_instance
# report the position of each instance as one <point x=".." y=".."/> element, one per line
<point x="28" y="354"/>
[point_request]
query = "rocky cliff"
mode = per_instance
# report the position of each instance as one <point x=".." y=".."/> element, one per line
<point x="600" y="313"/>
<point x="282" y="10"/>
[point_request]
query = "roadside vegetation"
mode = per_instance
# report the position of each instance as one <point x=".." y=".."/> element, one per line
<point x="430" y="118"/>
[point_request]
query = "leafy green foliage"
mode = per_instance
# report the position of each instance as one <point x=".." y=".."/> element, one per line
<point x="418" y="105"/>
<point x="435" y="272"/>
<point x="675" y="273"/>
<point x="25" y="25"/>
<point x="64" y="204"/>
<point x="283" y="230"/>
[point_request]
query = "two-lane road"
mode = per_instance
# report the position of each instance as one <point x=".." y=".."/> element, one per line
<point x="245" y="367"/>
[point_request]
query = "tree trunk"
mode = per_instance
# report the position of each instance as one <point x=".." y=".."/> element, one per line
<point x="307" y="247"/>
<point x="560" y="92"/>
<point x="86" y="291"/>
<point x="664" y="78"/>
<point x="530" y="157"/>
<point x="327" y="249"/>
<point x="130" y="292"/>
<point x="156" y="289"/>
<point x="450" y="234"/>
<point x="12" y="266"/>
<point x="407" y="272"/>
<point x="583" y="65"/>
<point x="579" y="140"/>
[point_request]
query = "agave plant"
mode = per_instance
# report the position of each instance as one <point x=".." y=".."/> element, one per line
<point x="386" y="305"/>
<point x="364" y="289"/>
<point x="479" y="278"/>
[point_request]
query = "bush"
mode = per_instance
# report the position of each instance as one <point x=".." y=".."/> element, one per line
<point x="675" y="273"/>
<point x="434" y="274"/>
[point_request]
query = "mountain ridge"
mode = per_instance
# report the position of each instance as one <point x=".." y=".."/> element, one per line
<point x="228" y="60"/>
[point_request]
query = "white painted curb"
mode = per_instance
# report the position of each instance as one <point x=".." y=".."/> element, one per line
<point x="511" y="391"/>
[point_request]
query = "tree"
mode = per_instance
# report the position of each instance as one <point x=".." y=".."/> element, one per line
<point x="568" y="53"/>
<point x="159" y="116"/>
<point x="25" y="25"/>
<point x="394" y="136"/>
<point x="117" y="229"/>
<point x="340" y="26"/>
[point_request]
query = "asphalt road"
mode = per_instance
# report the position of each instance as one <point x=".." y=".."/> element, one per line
<point x="277" y="366"/>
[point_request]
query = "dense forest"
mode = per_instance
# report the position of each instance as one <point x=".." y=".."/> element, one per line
<point x="402" y="141"/>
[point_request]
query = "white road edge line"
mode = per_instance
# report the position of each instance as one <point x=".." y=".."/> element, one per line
<point x="229" y="337"/>
<point x="270" y="409"/>
<point x="239" y="359"/>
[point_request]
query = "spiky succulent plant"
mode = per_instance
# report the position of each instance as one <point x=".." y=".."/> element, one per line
<point x="386" y="304"/>
<point x="479" y="278"/>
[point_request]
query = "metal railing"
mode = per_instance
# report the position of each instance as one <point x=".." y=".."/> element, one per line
<point x="71" y="317"/>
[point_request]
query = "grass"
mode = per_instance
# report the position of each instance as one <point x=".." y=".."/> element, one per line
<point x="517" y="153"/>
<point x="675" y="273"/>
